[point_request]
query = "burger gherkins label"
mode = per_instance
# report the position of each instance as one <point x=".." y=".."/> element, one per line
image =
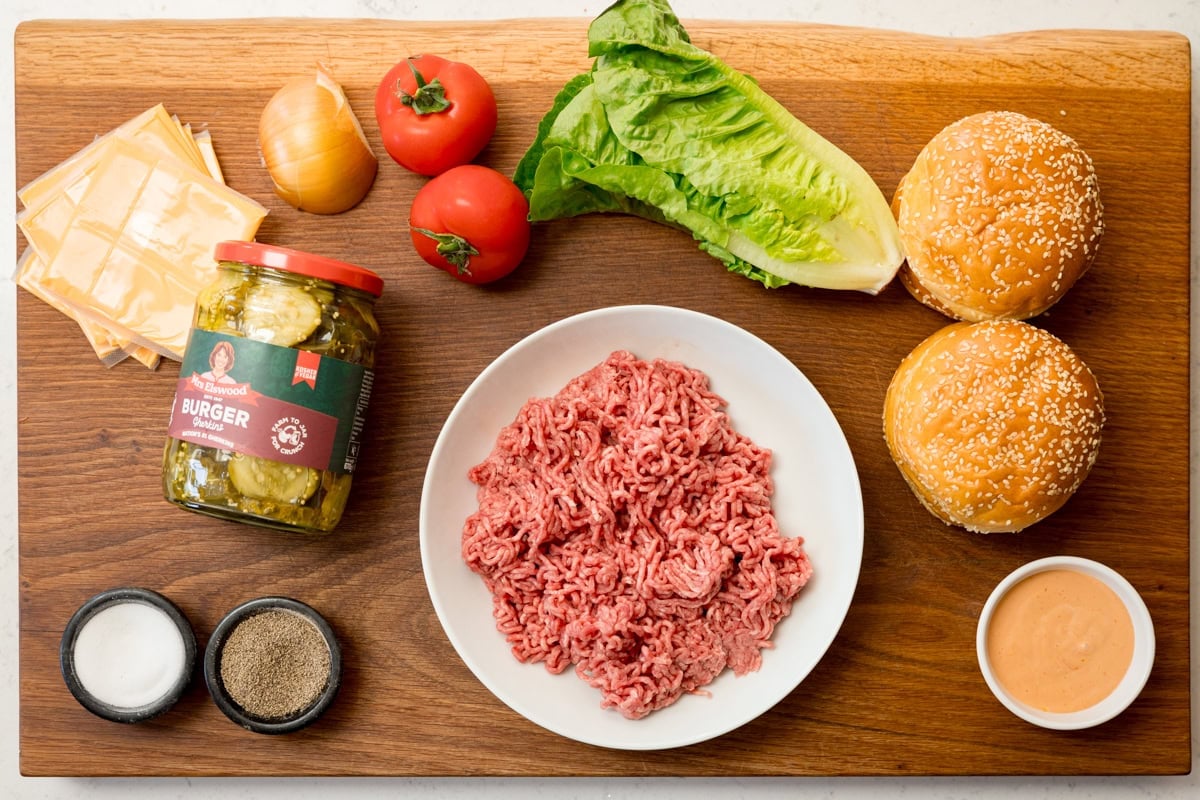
<point x="269" y="401"/>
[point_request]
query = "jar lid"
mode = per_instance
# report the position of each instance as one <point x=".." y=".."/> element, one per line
<point x="127" y="654"/>
<point x="301" y="263"/>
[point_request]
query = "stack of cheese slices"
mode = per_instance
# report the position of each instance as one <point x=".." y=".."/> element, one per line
<point x="121" y="234"/>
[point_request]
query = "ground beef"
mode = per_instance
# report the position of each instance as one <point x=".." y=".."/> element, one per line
<point x="626" y="528"/>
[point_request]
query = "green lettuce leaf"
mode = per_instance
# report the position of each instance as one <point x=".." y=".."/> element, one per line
<point x="664" y="130"/>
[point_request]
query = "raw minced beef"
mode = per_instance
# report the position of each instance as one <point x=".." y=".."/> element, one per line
<point x="626" y="528"/>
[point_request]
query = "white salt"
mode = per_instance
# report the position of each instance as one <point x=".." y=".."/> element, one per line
<point x="129" y="654"/>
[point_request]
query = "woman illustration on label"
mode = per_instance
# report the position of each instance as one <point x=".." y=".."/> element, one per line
<point x="220" y="360"/>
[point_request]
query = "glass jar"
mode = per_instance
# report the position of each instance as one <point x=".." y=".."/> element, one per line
<point x="269" y="409"/>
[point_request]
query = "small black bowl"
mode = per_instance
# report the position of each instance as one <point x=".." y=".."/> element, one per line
<point x="230" y="707"/>
<point x="101" y="708"/>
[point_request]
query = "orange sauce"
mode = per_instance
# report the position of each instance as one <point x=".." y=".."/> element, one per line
<point x="1060" y="641"/>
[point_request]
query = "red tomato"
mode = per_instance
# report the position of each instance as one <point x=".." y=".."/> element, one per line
<point x="472" y="222"/>
<point x="434" y="114"/>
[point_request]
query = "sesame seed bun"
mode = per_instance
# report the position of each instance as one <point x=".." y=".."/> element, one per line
<point x="994" y="424"/>
<point x="999" y="216"/>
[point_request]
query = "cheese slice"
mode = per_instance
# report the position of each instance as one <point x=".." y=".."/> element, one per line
<point x="109" y="348"/>
<point x="139" y="246"/>
<point x="50" y="200"/>
<point x="53" y="207"/>
<point x="209" y="154"/>
<point x="154" y="130"/>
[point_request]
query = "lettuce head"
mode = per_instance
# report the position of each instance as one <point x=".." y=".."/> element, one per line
<point x="664" y="130"/>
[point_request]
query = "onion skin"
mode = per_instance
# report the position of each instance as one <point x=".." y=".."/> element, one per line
<point x="314" y="148"/>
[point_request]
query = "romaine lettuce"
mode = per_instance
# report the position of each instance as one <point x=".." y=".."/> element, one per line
<point x="662" y="129"/>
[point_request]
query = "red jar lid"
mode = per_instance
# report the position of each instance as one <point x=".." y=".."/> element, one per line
<point x="326" y="269"/>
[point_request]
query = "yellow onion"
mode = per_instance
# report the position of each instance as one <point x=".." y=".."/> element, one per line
<point x="314" y="147"/>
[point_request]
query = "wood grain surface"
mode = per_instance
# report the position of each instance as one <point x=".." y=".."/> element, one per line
<point x="898" y="693"/>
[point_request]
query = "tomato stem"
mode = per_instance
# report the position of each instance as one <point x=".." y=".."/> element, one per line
<point x="452" y="247"/>
<point x="429" y="98"/>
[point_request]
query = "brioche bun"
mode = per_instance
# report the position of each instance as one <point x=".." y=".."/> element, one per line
<point x="994" y="424"/>
<point x="999" y="216"/>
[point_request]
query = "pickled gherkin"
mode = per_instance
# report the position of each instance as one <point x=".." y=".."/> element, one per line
<point x="271" y="480"/>
<point x="280" y="301"/>
<point x="280" y="313"/>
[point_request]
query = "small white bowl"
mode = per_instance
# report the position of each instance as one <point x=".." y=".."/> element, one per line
<point x="1139" y="667"/>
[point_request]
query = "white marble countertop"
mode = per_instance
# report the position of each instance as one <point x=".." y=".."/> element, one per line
<point x="939" y="17"/>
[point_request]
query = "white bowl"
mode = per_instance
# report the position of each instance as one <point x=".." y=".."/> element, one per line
<point x="817" y="495"/>
<point x="1135" y="676"/>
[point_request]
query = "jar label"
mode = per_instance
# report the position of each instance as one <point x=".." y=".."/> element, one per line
<point x="270" y="401"/>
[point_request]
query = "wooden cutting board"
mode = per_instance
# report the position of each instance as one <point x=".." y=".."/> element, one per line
<point x="898" y="693"/>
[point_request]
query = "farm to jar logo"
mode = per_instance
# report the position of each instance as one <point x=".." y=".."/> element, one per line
<point x="288" y="435"/>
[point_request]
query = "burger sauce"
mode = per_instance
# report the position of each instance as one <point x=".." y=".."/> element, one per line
<point x="1060" y="641"/>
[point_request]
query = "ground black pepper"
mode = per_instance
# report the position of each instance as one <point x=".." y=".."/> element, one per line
<point x="275" y="664"/>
